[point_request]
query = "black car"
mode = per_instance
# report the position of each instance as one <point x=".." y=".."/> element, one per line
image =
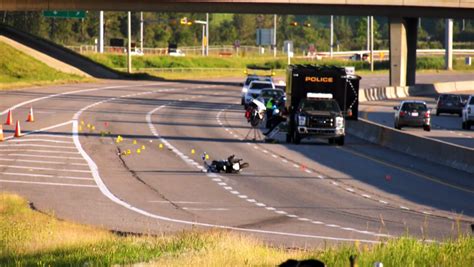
<point x="449" y="103"/>
<point x="412" y="113"/>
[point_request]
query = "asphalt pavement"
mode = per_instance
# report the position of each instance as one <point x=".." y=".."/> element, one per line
<point x="152" y="179"/>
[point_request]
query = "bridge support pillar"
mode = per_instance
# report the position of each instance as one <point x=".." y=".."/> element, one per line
<point x="403" y="42"/>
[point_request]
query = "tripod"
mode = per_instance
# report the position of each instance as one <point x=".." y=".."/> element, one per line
<point x="256" y="133"/>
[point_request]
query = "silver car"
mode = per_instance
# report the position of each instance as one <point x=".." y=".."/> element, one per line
<point x="412" y="113"/>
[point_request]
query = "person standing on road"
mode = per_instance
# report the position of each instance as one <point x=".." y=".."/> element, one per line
<point x="270" y="108"/>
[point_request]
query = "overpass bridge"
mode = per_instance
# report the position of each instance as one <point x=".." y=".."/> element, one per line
<point x="403" y="16"/>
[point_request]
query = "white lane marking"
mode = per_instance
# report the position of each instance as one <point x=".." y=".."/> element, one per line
<point x="243" y="196"/>
<point x="217" y="180"/>
<point x="332" y="225"/>
<point x="265" y="151"/>
<point x="308" y="171"/>
<point x="260" y="204"/>
<point x="350" y="189"/>
<point x="274" y="156"/>
<point x="55" y="136"/>
<point x="251" y="200"/>
<point x="383" y="202"/>
<point x="25" y="134"/>
<point x="43" y="140"/>
<point x="235" y="192"/>
<point x="40" y="151"/>
<point x="42" y="168"/>
<point x="284" y="161"/>
<point x="320" y="177"/>
<point x="222" y="183"/>
<point x="205" y="209"/>
<point x="227" y="188"/>
<point x="296" y="165"/>
<point x="36" y="145"/>
<point x="43" y="162"/>
<point x="177" y="202"/>
<point x="317" y="222"/>
<point x="304" y="219"/>
<point x="45" y="176"/>
<point x="270" y="208"/>
<point x="366" y="196"/>
<point x="256" y="147"/>
<point x="291" y="216"/>
<point x="404" y="208"/>
<point x="335" y="183"/>
<point x="427" y="213"/>
<point x="44" y="183"/>
<point x="49" y="157"/>
<point x="281" y="212"/>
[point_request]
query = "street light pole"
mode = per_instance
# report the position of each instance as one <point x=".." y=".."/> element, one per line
<point x="129" y="45"/>
<point x="371" y="43"/>
<point x="368" y="33"/>
<point x="141" y="32"/>
<point x="207" y="34"/>
<point x="274" y="35"/>
<point x="332" y="37"/>
<point x="101" y="32"/>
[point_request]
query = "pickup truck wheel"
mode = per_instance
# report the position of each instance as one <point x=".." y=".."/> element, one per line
<point x="340" y="141"/>
<point x="296" y="138"/>
<point x="427" y="128"/>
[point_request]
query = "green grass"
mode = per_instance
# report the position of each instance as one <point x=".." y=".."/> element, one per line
<point x="30" y="238"/>
<point x="19" y="70"/>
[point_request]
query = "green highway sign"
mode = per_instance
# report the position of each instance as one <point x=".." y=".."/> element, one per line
<point x="77" y="14"/>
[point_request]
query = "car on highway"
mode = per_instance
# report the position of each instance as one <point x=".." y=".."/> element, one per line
<point x="255" y="88"/>
<point x="468" y="114"/>
<point x="359" y="57"/>
<point x="248" y="80"/>
<point x="449" y="103"/>
<point x="412" y="113"/>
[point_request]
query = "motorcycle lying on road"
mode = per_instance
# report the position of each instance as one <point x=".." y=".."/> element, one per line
<point x="230" y="165"/>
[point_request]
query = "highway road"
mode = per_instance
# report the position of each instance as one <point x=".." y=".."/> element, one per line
<point x="290" y="195"/>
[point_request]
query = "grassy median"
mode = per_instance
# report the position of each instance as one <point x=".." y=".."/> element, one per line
<point x="20" y="70"/>
<point x="30" y="238"/>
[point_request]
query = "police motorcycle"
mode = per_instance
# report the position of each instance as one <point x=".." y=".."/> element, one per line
<point x="255" y="112"/>
<point x="229" y="165"/>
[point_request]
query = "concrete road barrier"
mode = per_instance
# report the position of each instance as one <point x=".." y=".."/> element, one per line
<point x="391" y="92"/>
<point x="448" y="154"/>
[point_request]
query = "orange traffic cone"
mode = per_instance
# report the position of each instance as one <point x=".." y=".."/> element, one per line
<point x="31" y="117"/>
<point x="1" y="134"/>
<point x="9" y="118"/>
<point x="17" y="129"/>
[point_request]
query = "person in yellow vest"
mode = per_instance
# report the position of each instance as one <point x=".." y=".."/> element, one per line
<point x="270" y="107"/>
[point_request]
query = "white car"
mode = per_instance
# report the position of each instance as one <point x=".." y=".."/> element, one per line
<point x="251" y="78"/>
<point x="468" y="114"/>
<point x="254" y="89"/>
<point x="177" y="53"/>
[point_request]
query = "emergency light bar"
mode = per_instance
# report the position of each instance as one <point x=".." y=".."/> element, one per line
<point x="319" y="95"/>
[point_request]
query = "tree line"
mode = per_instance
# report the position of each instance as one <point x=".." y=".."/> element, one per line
<point x="161" y="29"/>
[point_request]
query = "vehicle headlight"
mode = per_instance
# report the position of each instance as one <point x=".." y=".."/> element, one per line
<point x="339" y="122"/>
<point x="301" y="120"/>
<point x="244" y="90"/>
